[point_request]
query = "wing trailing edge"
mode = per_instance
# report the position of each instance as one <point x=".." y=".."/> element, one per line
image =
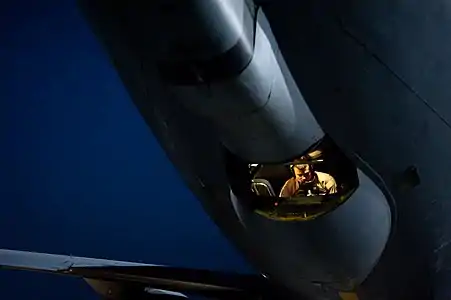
<point x="119" y="279"/>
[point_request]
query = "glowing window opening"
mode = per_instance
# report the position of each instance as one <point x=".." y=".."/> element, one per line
<point x="309" y="197"/>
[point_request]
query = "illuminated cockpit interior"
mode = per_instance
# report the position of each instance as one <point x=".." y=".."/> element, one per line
<point x="306" y="187"/>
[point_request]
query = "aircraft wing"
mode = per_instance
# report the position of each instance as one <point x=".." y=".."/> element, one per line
<point x="125" y="280"/>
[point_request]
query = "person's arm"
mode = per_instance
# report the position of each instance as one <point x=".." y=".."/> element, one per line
<point x="287" y="189"/>
<point x="331" y="185"/>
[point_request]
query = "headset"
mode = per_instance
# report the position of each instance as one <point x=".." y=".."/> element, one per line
<point x="310" y="159"/>
<point x="292" y="166"/>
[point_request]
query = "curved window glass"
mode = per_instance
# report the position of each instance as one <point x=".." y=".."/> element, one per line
<point x="306" y="187"/>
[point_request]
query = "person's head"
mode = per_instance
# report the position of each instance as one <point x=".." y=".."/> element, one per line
<point x="303" y="172"/>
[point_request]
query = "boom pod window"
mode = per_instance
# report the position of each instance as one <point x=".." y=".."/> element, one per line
<point x="304" y="188"/>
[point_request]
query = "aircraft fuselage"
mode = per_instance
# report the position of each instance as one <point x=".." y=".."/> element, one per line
<point x="222" y="85"/>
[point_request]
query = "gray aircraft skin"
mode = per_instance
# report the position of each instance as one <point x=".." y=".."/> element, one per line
<point x="228" y="84"/>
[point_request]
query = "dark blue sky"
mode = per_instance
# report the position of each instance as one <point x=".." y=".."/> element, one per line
<point x="80" y="172"/>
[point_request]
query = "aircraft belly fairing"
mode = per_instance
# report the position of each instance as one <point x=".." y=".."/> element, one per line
<point x="291" y="130"/>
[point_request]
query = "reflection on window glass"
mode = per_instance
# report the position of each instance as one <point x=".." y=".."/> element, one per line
<point x="306" y="187"/>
